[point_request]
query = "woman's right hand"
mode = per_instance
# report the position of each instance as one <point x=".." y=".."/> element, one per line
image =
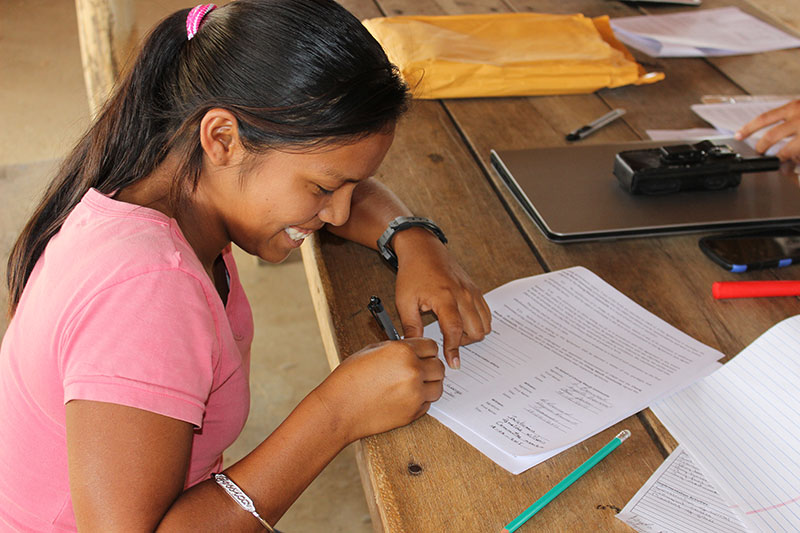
<point x="113" y="449"/>
<point x="383" y="386"/>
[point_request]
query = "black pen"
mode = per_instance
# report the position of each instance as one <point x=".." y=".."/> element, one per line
<point x="593" y="126"/>
<point x="382" y="318"/>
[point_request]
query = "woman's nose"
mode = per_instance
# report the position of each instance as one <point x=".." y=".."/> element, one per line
<point x="336" y="210"/>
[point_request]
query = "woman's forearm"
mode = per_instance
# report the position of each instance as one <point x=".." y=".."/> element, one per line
<point x="273" y="475"/>
<point x="372" y="208"/>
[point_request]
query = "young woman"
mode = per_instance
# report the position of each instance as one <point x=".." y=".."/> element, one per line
<point x="123" y="373"/>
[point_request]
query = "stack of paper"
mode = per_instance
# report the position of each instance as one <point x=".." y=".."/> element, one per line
<point x="692" y="134"/>
<point x="742" y="425"/>
<point x="699" y="33"/>
<point x="727" y="118"/>
<point x="568" y="356"/>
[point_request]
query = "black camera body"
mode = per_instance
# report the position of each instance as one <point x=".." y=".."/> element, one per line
<point x="682" y="167"/>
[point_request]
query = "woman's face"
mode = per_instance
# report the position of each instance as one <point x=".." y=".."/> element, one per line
<point x="283" y="197"/>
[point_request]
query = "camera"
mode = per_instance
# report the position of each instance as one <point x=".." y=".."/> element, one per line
<point x="683" y="167"/>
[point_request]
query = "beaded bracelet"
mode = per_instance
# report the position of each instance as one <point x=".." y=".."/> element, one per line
<point x="240" y="497"/>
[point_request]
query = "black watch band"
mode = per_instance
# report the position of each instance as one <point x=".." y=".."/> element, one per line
<point x="399" y="224"/>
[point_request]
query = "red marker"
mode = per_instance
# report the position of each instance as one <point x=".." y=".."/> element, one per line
<point x="754" y="289"/>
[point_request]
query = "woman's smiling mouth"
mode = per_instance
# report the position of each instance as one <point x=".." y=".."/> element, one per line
<point x="297" y="234"/>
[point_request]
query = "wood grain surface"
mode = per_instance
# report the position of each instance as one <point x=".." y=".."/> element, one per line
<point x="439" y="165"/>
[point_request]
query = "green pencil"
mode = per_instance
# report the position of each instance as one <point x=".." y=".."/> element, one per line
<point x="539" y="504"/>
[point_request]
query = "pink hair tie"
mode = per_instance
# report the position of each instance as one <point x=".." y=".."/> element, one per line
<point x="195" y="18"/>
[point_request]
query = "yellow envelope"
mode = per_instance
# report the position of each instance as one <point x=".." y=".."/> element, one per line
<point x="510" y="54"/>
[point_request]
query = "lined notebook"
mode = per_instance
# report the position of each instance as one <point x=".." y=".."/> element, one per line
<point x="742" y="425"/>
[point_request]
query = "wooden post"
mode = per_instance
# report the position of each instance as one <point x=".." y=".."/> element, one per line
<point x="105" y="29"/>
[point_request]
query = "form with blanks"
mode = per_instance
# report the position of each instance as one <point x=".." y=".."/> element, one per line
<point x="678" y="498"/>
<point x="568" y="356"/>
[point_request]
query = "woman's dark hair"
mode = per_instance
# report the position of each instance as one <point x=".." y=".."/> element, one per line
<point x="295" y="73"/>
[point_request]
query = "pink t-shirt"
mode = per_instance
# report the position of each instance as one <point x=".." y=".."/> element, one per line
<point x="118" y="309"/>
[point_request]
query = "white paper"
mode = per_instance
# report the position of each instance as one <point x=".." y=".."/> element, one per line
<point x="692" y="134"/>
<point x="699" y="33"/>
<point x="568" y="356"/>
<point x="728" y="118"/>
<point x="678" y="498"/>
<point x="742" y="424"/>
<point x="674" y="2"/>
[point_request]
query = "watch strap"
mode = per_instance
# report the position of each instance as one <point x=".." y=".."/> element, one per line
<point x="400" y="224"/>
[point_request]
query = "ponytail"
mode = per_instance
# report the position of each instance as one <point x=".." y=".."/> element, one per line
<point x="125" y="143"/>
<point x="295" y="73"/>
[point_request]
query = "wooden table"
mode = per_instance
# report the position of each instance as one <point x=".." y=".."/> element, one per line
<point x="439" y="165"/>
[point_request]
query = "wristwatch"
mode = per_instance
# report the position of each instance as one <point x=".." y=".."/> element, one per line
<point x="399" y="224"/>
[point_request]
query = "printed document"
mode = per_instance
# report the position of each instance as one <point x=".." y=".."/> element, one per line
<point x="698" y="33"/>
<point x="678" y="498"/>
<point x="691" y="134"/>
<point x="568" y="356"/>
<point x="727" y="118"/>
<point x="742" y="425"/>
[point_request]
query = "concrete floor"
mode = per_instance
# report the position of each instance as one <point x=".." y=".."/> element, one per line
<point x="44" y="110"/>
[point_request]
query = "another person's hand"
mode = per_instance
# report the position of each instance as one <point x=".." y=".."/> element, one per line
<point x="787" y="118"/>
<point x="383" y="386"/>
<point x="429" y="279"/>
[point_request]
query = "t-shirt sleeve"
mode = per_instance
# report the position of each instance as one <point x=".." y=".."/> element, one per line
<point x="149" y="342"/>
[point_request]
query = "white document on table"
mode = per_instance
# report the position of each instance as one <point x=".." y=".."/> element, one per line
<point x="699" y="33"/>
<point x="678" y="498"/>
<point x="742" y="425"/>
<point x="691" y="134"/>
<point x="729" y="117"/>
<point x="568" y="356"/>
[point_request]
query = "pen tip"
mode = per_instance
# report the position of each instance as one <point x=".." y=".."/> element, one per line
<point x="570" y="137"/>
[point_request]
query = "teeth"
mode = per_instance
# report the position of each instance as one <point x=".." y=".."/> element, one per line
<point x="297" y="235"/>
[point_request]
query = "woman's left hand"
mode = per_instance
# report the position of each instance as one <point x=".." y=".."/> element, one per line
<point x="429" y="279"/>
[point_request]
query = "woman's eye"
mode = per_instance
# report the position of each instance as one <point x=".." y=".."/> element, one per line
<point x="323" y="190"/>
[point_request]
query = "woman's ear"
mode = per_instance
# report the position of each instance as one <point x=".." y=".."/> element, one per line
<point x="219" y="137"/>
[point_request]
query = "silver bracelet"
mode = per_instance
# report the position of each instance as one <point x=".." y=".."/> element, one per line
<point x="240" y="497"/>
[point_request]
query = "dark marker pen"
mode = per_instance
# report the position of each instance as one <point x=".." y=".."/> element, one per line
<point x="382" y="318"/>
<point x="595" y="125"/>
